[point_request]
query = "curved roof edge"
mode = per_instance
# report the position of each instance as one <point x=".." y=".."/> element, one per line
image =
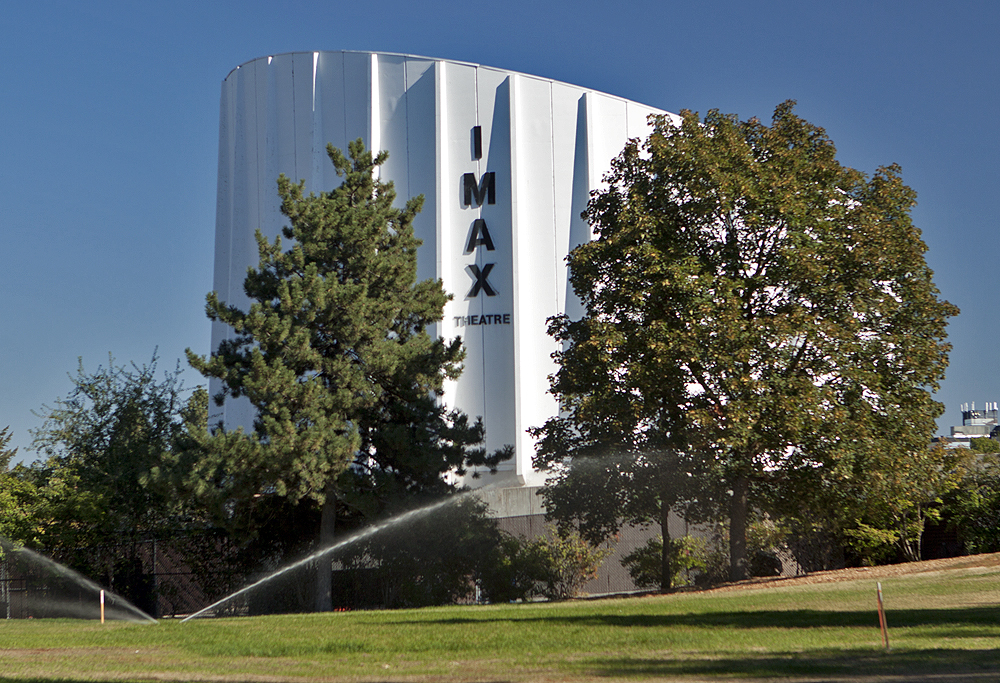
<point x="436" y="59"/>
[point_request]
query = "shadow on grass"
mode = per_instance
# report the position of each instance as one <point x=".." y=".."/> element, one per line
<point x="840" y="664"/>
<point x="960" y="619"/>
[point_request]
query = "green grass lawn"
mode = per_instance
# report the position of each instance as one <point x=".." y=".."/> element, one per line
<point x="942" y="626"/>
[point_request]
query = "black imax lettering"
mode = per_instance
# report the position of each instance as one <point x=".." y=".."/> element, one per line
<point x="481" y="283"/>
<point x="484" y="189"/>
<point x="477" y="142"/>
<point x="479" y="236"/>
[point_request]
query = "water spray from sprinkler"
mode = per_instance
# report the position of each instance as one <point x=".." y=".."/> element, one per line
<point x="131" y="612"/>
<point x="354" y="538"/>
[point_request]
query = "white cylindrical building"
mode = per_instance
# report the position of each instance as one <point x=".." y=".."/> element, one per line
<point x="505" y="161"/>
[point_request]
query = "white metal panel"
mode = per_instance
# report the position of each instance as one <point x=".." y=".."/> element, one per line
<point x="374" y="108"/>
<point x="534" y="261"/>
<point x="224" y="200"/>
<point x="457" y="96"/>
<point x="267" y="162"/>
<point x="635" y="121"/>
<point x="279" y="142"/>
<point x="579" y="229"/>
<point x="392" y="122"/>
<point x="443" y="203"/>
<point x="246" y="194"/>
<point x="608" y="134"/>
<point x="223" y="225"/>
<point x="493" y="92"/>
<point x="302" y="118"/>
<point x="421" y="160"/>
<point x="241" y="86"/>
<point x="569" y="154"/>
<point x="330" y="125"/>
<point x="357" y="97"/>
<point x="638" y="119"/>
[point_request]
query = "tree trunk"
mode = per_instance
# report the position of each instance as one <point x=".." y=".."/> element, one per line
<point x="919" y="541"/>
<point x="324" y="567"/>
<point x="666" y="570"/>
<point x="738" y="512"/>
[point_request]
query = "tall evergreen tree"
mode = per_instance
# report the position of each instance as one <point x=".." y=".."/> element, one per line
<point x="335" y="356"/>
<point x="751" y="304"/>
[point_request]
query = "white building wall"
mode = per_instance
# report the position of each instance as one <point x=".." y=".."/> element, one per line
<point x="548" y="145"/>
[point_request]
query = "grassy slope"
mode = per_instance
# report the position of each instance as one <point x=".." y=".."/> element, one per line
<point x="941" y="623"/>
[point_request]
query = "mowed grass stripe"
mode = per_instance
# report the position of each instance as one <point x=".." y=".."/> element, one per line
<point x="942" y="622"/>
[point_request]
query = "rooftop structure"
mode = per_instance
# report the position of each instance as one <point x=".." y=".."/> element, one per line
<point x="977" y="423"/>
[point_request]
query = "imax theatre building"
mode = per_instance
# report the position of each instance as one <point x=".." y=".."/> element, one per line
<point x="505" y="161"/>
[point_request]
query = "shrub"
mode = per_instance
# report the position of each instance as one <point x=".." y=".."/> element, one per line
<point x="688" y="558"/>
<point x="567" y="562"/>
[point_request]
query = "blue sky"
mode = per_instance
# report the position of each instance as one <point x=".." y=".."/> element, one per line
<point x="109" y="140"/>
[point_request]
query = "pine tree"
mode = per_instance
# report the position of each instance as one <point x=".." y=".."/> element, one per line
<point x="335" y="356"/>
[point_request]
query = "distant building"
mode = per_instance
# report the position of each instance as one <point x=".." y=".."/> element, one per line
<point x="982" y="423"/>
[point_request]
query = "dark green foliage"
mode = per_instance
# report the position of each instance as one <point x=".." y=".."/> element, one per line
<point x="688" y="560"/>
<point x="335" y="356"/>
<point x="98" y="494"/>
<point x="815" y="543"/>
<point x="518" y="571"/>
<point x="433" y="559"/>
<point x="984" y="445"/>
<point x="755" y="307"/>
<point x="604" y="486"/>
<point x="973" y="509"/>
<point x="877" y="506"/>
<point x="334" y="352"/>
<point x="18" y="497"/>
<point x="455" y="553"/>
<point x="458" y="554"/>
<point x="103" y="443"/>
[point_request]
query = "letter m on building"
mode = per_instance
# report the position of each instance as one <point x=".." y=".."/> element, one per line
<point x="484" y="189"/>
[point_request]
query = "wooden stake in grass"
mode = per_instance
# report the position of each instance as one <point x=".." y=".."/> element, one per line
<point x="881" y="616"/>
<point x="102" y="605"/>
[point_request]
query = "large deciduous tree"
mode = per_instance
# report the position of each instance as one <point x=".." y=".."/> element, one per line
<point x="103" y="445"/>
<point x="753" y="305"/>
<point x="96" y="496"/>
<point x="335" y="356"/>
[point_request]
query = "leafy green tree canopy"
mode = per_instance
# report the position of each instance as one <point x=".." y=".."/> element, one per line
<point x="18" y="497"/>
<point x="103" y="445"/>
<point x="752" y="304"/>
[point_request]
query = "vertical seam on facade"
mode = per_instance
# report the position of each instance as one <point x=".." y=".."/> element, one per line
<point x="406" y="119"/>
<point x="514" y="147"/>
<point x="231" y="166"/>
<point x="257" y="151"/>
<point x="295" y="128"/>
<point x="478" y="257"/>
<point x="555" y="212"/>
<point x="343" y="95"/>
<point x="315" y="56"/>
